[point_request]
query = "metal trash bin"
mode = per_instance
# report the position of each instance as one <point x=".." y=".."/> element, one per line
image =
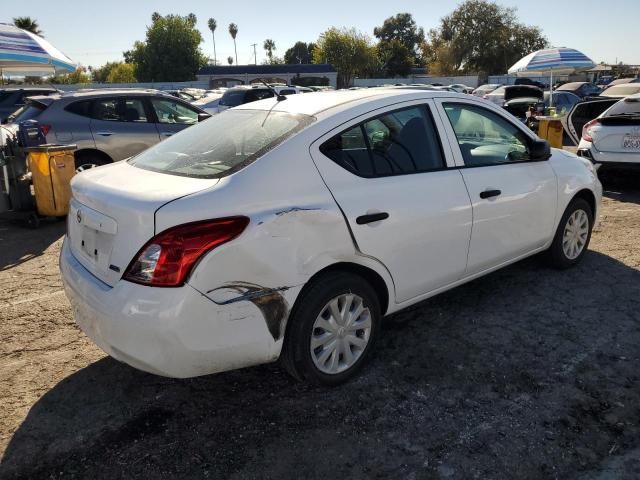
<point x="51" y="167"/>
<point x="551" y="130"/>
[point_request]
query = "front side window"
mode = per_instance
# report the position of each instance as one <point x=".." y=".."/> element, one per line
<point x="486" y="138"/>
<point x="134" y="110"/>
<point x="396" y="143"/>
<point x="169" y="111"/>
<point x="106" y="109"/>
<point x="223" y="144"/>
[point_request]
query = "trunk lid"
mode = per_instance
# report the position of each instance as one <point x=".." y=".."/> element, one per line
<point x="618" y="135"/>
<point x="112" y="214"/>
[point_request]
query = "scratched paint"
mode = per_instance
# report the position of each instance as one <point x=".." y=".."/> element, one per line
<point x="270" y="301"/>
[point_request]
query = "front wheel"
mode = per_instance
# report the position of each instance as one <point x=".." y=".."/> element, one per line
<point x="573" y="235"/>
<point x="332" y="329"/>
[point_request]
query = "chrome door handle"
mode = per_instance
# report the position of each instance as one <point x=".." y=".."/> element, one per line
<point x="104" y="134"/>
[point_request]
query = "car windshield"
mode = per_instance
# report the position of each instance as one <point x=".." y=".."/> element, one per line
<point x="221" y="145"/>
<point x="624" y="107"/>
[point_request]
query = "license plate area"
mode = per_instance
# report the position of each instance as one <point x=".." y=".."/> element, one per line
<point x="631" y="142"/>
<point x="88" y="243"/>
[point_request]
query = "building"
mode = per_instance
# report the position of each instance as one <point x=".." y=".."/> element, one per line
<point x="299" y="74"/>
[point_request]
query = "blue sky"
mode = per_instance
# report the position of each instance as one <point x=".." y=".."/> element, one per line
<point x="605" y="30"/>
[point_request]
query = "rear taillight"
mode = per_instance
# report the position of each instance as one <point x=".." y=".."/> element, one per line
<point x="168" y="258"/>
<point x="586" y="130"/>
<point x="45" y="129"/>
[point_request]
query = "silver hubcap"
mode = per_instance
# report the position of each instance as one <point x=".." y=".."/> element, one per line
<point x="340" y="334"/>
<point x="85" y="166"/>
<point x="575" y="234"/>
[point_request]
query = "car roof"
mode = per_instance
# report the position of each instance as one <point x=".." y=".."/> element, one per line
<point x="338" y="100"/>
<point x="23" y="87"/>
<point x="99" y="92"/>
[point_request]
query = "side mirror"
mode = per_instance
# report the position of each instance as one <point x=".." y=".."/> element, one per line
<point x="540" y="150"/>
<point x="203" y="116"/>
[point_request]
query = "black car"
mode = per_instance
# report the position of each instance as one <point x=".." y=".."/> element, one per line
<point x="11" y="99"/>
<point x="528" y="81"/>
<point x="581" y="89"/>
<point x="243" y="94"/>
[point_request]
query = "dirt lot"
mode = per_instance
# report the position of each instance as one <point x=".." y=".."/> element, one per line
<point x="528" y="373"/>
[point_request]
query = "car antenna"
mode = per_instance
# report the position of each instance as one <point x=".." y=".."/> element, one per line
<point x="273" y="90"/>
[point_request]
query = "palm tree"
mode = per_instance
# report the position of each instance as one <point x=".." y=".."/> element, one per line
<point x="269" y="45"/>
<point x="29" y="24"/>
<point x="212" y="26"/>
<point x="230" y="60"/>
<point x="233" y="31"/>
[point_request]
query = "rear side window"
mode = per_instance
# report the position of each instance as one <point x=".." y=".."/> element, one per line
<point x="396" y="143"/>
<point x="224" y="144"/>
<point x="82" y="108"/>
<point x="27" y="112"/>
<point x="232" y="98"/>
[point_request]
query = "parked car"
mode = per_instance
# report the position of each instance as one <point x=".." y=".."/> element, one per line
<point x="581" y="114"/>
<point x="622" y="81"/>
<point x="581" y="89"/>
<point x="562" y="101"/>
<point x="483" y="90"/>
<point x="109" y="125"/>
<point x="243" y="94"/>
<point x="460" y="88"/>
<point x="288" y="229"/>
<point x="503" y="94"/>
<point x="613" y="139"/>
<point x="621" y="90"/>
<point x="11" y="99"/>
<point x="209" y="103"/>
<point x="533" y="83"/>
<point x="182" y="95"/>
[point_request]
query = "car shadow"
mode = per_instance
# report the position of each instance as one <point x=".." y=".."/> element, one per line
<point x="466" y="381"/>
<point x="622" y="184"/>
<point x="19" y="244"/>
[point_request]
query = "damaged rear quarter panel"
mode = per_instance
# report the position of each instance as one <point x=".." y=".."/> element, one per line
<point x="295" y="230"/>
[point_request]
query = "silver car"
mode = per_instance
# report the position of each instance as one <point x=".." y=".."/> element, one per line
<point x="109" y="125"/>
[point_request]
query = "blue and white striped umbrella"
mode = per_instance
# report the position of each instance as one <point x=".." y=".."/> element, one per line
<point x="559" y="61"/>
<point x="22" y="52"/>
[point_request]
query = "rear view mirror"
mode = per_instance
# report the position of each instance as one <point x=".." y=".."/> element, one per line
<point x="203" y="116"/>
<point x="540" y="150"/>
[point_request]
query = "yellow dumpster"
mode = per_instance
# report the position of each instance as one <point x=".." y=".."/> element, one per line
<point x="551" y="130"/>
<point x="51" y="167"/>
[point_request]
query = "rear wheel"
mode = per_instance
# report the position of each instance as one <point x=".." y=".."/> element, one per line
<point x="573" y="235"/>
<point x="87" y="160"/>
<point x="332" y="329"/>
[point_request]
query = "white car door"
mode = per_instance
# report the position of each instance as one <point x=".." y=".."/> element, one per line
<point x="389" y="174"/>
<point x="514" y="199"/>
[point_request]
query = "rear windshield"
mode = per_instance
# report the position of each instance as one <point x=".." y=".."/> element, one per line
<point x="221" y="145"/>
<point x="26" y="112"/>
<point x="624" y="107"/>
<point x="233" y="98"/>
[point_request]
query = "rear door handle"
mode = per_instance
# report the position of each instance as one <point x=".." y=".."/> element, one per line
<point x="371" y="217"/>
<point x="490" y="193"/>
<point x="167" y="134"/>
<point x="104" y="134"/>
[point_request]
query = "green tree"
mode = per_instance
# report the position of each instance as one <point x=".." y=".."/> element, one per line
<point x="101" y="74"/>
<point x="480" y="36"/>
<point x="80" y="75"/>
<point x="401" y="27"/>
<point x="233" y="31"/>
<point x="212" y="26"/>
<point x="230" y="60"/>
<point x="301" y="52"/>
<point x="171" y="51"/>
<point x="349" y="51"/>
<point x="29" y="24"/>
<point x="395" y="58"/>
<point x="122" y="73"/>
<point x="269" y="45"/>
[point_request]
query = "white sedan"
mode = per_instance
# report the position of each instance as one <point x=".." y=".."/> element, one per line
<point x="614" y="137"/>
<point x="288" y="229"/>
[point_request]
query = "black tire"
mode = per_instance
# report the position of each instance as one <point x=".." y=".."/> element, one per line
<point x="86" y="160"/>
<point x="556" y="253"/>
<point x="296" y="354"/>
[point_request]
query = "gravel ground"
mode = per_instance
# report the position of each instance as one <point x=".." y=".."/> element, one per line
<point x="528" y="373"/>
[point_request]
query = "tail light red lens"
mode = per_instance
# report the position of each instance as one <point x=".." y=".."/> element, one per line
<point x="586" y="130"/>
<point x="167" y="259"/>
<point x="45" y="129"/>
